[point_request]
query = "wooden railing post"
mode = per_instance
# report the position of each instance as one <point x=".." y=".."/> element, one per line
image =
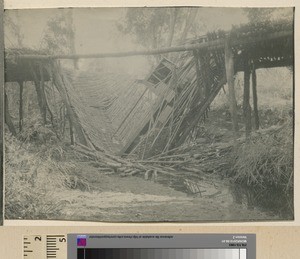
<point x="229" y="65"/>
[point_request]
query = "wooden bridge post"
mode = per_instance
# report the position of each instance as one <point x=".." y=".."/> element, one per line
<point x="43" y="95"/>
<point x="7" y="116"/>
<point x="229" y="65"/>
<point x="246" y="100"/>
<point x="254" y="93"/>
<point x="21" y="87"/>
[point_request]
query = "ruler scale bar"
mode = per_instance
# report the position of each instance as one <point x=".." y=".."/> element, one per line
<point x="45" y="246"/>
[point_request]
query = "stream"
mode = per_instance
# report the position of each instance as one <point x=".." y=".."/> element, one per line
<point x="271" y="202"/>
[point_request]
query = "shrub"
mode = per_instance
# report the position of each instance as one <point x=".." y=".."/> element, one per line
<point x="266" y="158"/>
<point x="32" y="177"/>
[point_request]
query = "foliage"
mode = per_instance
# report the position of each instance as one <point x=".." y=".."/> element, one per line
<point x="146" y="24"/>
<point x="259" y="15"/>
<point x="59" y="34"/>
<point x="34" y="174"/>
<point x="159" y="27"/>
<point x="34" y="131"/>
<point x="266" y="159"/>
<point x="12" y="26"/>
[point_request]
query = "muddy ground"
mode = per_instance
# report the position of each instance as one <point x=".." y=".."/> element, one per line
<point x="113" y="198"/>
<point x="132" y="198"/>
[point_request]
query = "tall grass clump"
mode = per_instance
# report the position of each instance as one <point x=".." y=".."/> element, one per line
<point x="266" y="159"/>
<point x="36" y="169"/>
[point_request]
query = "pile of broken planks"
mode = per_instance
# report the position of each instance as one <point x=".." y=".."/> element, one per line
<point x="193" y="160"/>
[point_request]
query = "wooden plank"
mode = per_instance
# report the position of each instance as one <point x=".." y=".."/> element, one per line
<point x="164" y="115"/>
<point x="132" y="109"/>
<point x="196" y="57"/>
<point x="203" y="108"/>
<point x="137" y="130"/>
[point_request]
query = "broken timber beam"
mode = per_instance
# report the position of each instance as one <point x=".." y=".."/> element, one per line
<point x="196" y="57"/>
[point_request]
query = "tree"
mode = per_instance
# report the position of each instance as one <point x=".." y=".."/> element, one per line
<point x="260" y="15"/>
<point x="12" y="26"/>
<point x="59" y="36"/>
<point x="159" y="27"/>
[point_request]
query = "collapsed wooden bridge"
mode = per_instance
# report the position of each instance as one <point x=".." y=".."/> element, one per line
<point x="118" y="114"/>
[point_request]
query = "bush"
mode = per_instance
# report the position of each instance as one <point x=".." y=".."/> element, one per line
<point x="33" y="176"/>
<point x="266" y="159"/>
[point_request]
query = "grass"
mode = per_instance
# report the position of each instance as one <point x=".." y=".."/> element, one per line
<point x="266" y="159"/>
<point x="34" y="174"/>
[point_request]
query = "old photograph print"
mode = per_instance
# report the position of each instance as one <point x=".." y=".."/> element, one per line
<point x="1" y="113"/>
<point x="149" y="114"/>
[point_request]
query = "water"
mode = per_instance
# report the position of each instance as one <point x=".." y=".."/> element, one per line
<point x="273" y="203"/>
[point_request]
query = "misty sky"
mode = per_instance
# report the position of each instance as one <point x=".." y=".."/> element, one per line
<point x="95" y="27"/>
<point x="95" y="30"/>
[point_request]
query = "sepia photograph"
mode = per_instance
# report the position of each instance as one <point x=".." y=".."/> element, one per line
<point x="149" y="114"/>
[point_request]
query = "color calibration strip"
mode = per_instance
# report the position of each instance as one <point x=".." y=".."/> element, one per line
<point x="146" y="253"/>
<point x="161" y="246"/>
